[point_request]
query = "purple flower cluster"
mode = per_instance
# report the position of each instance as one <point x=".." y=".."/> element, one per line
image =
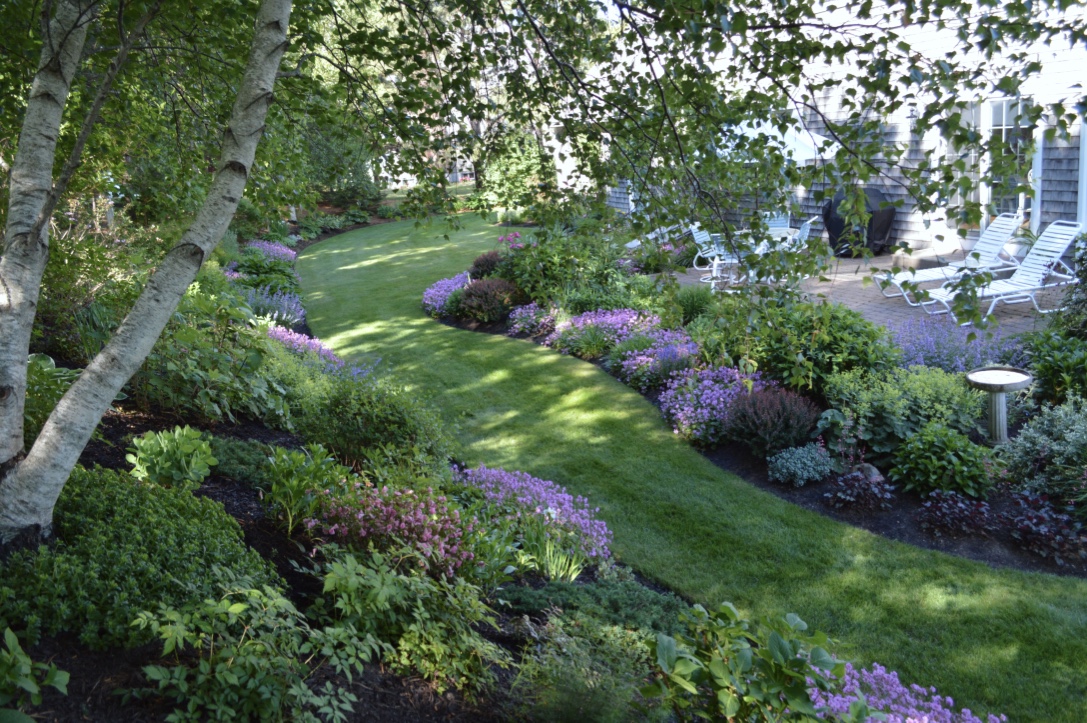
<point x="531" y="319"/>
<point x="530" y="495"/>
<point x="231" y="274"/>
<point x="669" y="351"/>
<point x="389" y="518"/>
<point x="283" y="307"/>
<point x="437" y="294"/>
<point x="884" y="693"/>
<point x="315" y="349"/>
<point x="273" y="250"/>
<point x="617" y="326"/>
<point x="697" y="402"/>
<point x="937" y="341"/>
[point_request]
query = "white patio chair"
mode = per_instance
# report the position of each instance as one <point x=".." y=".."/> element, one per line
<point x="656" y="236"/>
<point x="1030" y="277"/>
<point x="987" y="255"/>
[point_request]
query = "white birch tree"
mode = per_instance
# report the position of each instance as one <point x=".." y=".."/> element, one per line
<point x="31" y="480"/>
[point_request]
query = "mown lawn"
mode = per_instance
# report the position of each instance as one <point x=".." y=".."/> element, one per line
<point x="995" y="640"/>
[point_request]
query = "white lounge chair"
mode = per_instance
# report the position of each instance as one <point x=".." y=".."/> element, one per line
<point x="655" y="236"/>
<point x="1030" y="277"/>
<point x="780" y="239"/>
<point x="988" y="255"/>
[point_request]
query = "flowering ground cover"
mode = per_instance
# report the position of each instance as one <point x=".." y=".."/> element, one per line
<point x="994" y="640"/>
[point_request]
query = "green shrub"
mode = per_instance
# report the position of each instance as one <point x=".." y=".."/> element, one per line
<point x="489" y="300"/>
<point x="620" y="602"/>
<point x="22" y="680"/>
<point x="242" y="460"/>
<point x="46" y="383"/>
<point x="296" y="479"/>
<point x="248" y="220"/>
<point x="261" y="271"/>
<point x="359" y="193"/>
<point x="1059" y="365"/>
<point x="1049" y="455"/>
<point x="252" y="653"/>
<point x="207" y="364"/>
<point x="693" y="301"/>
<point x="121" y="546"/>
<point x="431" y="623"/>
<point x="799" y="465"/>
<point x="883" y="410"/>
<point x="559" y="259"/>
<point x="389" y="212"/>
<point x="727" y="668"/>
<point x="179" y="458"/>
<point x="771" y="419"/>
<point x="578" y="669"/>
<point x="939" y="458"/>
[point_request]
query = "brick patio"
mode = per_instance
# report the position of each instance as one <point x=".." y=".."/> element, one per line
<point x="850" y="283"/>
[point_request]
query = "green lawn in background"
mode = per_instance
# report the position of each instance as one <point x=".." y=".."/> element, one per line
<point x="994" y="640"/>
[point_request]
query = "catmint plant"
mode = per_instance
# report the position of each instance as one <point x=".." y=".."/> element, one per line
<point x="437" y="295"/>
<point x="273" y="250"/>
<point x="698" y="402"/>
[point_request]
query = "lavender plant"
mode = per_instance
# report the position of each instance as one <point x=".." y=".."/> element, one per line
<point x="698" y="403"/>
<point x="883" y="693"/>
<point x="524" y="495"/>
<point x="314" y="350"/>
<point x="646" y="361"/>
<point x="284" y="308"/>
<point x="436" y="297"/>
<point x="937" y="341"/>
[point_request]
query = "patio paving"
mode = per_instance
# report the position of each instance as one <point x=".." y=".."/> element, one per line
<point x="849" y="282"/>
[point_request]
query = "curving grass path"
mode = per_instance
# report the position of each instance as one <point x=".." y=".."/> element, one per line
<point x="995" y="640"/>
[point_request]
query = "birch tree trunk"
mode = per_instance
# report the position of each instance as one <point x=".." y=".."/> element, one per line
<point x="31" y="486"/>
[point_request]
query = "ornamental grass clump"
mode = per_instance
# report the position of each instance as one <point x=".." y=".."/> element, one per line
<point x="436" y="297"/>
<point x="938" y="341"/>
<point x="595" y="333"/>
<point x="881" y="692"/>
<point x="698" y="403"/>
<point x="532" y="319"/>
<point x="273" y="250"/>
<point x="522" y="494"/>
<point x="646" y="361"/>
<point x="389" y="519"/>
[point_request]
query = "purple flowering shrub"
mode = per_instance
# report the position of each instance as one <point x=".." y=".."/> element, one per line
<point x="523" y="495"/>
<point x="316" y="351"/>
<point x="282" y="307"/>
<point x="937" y="341"/>
<point x="884" y="693"/>
<point x="436" y="297"/>
<point x="273" y="250"/>
<point x="394" y="518"/>
<point x="488" y="300"/>
<point x="511" y="241"/>
<point x="532" y="319"/>
<point x="646" y="361"/>
<point x="594" y="333"/>
<point x="698" y="403"/>
<point x="485" y="265"/>
<point x="772" y="419"/>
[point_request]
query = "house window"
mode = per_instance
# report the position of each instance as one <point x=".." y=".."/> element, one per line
<point x="1010" y="135"/>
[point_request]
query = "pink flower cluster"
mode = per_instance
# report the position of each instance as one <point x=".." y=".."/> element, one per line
<point x="698" y="402"/>
<point x="618" y="325"/>
<point x="551" y="502"/>
<point x="438" y="293"/>
<point x="390" y="518"/>
<point x="512" y="241"/>
<point x="671" y="351"/>
<point x="885" y="694"/>
<point x="273" y="250"/>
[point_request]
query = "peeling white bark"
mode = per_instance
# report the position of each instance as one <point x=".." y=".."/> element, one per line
<point x="29" y="491"/>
